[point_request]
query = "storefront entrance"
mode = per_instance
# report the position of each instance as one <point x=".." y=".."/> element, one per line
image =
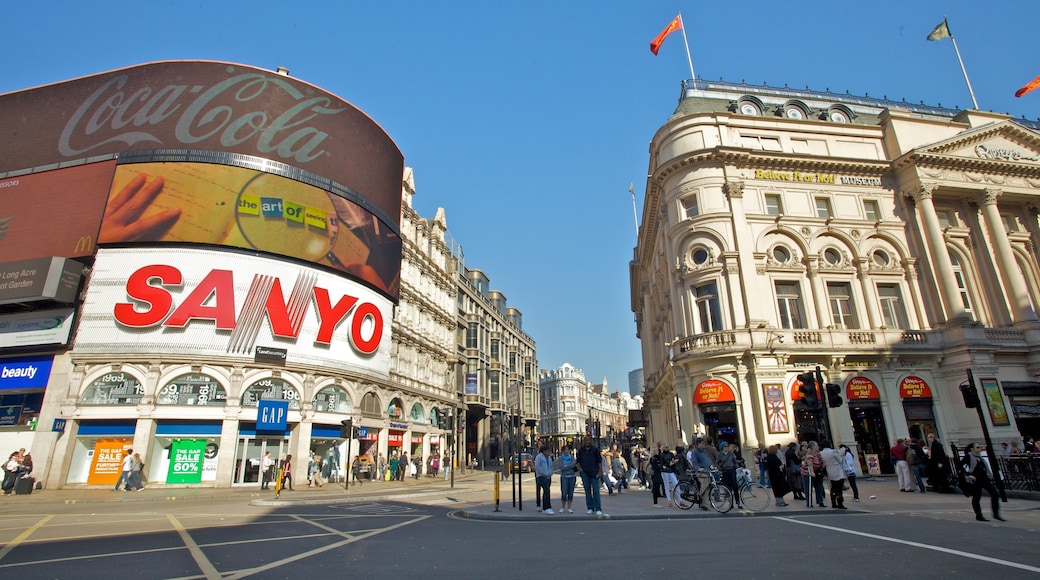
<point x="248" y="452"/>
<point x="720" y="421"/>
<point x="920" y="419"/>
<point x="868" y="426"/>
<point x="808" y="423"/>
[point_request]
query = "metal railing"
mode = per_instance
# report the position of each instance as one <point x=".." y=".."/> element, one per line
<point x="1020" y="471"/>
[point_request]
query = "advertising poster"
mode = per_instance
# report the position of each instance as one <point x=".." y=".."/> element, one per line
<point x="873" y="464"/>
<point x="776" y="409"/>
<point x="995" y="403"/>
<point x="106" y="465"/>
<point x="206" y="203"/>
<point x="186" y="457"/>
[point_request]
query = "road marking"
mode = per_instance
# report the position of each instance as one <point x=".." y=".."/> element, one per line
<point x="917" y="545"/>
<point x="22" y="536"/>
<point x="200" y="558"/>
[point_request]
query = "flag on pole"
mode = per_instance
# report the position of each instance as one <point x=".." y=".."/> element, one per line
<point x="674" y="25"/>
<point x="940" y="32"/>
<point x="1032" y="85"/>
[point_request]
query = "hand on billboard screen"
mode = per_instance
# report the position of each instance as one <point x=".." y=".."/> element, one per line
<point x="123" y="222"/>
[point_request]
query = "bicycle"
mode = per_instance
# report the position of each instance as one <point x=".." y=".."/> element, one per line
<point x="753" y="495"/>
<point x="687" y="492"/>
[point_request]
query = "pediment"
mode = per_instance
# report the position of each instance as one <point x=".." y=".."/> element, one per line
<point x="999" y="142"/>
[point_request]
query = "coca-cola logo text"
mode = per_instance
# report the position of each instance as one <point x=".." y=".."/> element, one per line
<point x="223" y="111"/>
<point x="153" y="304"/>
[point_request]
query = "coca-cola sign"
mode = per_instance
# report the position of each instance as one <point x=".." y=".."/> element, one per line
<point x="203" y="105"/>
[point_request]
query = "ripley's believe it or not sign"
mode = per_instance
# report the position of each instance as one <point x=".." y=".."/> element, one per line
<point x="211" y="303"/>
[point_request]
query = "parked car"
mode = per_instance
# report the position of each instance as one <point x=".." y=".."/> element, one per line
<point x="525" y="464"/>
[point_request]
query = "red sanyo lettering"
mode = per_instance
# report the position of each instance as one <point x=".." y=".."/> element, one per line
<point x="214" y="299"/>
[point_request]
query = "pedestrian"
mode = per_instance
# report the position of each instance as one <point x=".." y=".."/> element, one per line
<point x="568" y="479"/>
<point x="980" y="477"/>
<point x="402" y="466"/>
<point x="314" y="471"/>
<point x="590" y="465"/>
<point x="543" y="471"/>
<point x="416" y="466"/>
<point x="775" y="466"/>
<point x="642" y="464"/>
<point x="898" y="456"/>
<point x="940" y="478"/>
<point x="24" y="470"/>
<point x="631" y="457"/>
<point x="379" y="468"/>
<point x="835" y="470"/>
<point x="136" y="469"/>
<point x="656" y="471"/>
<point x="917" y="461"/>
<point x="124" y="471"/>
<point x="793" y="470"/>
<point x="760" y="463"/>
<point x="435" y="465"/>
<point x="701" y="464"/>
<point x="728" y="466"/>
<point x="446" y="466"/>
<point x="286" y="467"/>
<point x="266" y="463"/>
<point x="848" y="463"/>
<point x="618" y="471"/>
<point x="11" y="466"/>
<point x="813" y="472"/>
<point x="668" y="475"/>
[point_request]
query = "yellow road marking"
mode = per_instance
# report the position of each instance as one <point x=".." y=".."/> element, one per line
<point x="22" y="536"/>
<point x="205" y="565"/>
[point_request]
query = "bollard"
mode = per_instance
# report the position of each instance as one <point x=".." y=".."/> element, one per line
<point x="498" y="476"/>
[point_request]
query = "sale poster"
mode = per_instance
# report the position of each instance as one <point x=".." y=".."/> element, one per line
<point x="186" y="456"/>
<point x="107" y="463"/>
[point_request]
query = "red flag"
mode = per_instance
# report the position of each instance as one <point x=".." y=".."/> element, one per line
<point x="674" y="25"/>
<point x="1033" y="84"/>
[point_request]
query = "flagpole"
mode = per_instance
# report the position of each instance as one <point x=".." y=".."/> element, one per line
<point x="693" y="76"/>
<point x="960" y="60"/>
<point x="635" y="216"/>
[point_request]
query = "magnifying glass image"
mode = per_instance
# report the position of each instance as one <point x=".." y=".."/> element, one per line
<point x="283" y="216"/>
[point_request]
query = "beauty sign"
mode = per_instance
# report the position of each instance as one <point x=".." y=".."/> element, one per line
<point x="186" y="457"/>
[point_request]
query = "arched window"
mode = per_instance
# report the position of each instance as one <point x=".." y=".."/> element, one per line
<point x="332" y="399"/>
<point x="114" y="389"/>
<point x="395" y="410"/>
<point x="271" y="389"/>
<point x="192" y="389"/>
<point x="370" y="405"/>
<point x="418" y="415"/>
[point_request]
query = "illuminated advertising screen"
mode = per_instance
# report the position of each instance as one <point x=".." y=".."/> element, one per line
<point x="234" y="206"/>
<point x="53" y="213"/>
<point x="204" y="105"/>
<point x="210" y="303"/>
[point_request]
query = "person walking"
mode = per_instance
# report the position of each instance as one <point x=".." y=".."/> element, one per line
<point x="775" y="467"/>
<point x="568" y="479"/>
<point x="286" y="467"/>
<point x="835" y="471"/>
<point x="402" y="466"/>
<point x="124" y="475"/>
<point x="917" y="461"/>
<point x="980" y="477"/>
<point x="940" y="478"/>
<point x="136" y="467"/>
<point x="848" y="463"/>
<point x="656" y="469"/>
<point x="543" y="478"/>
<point x="266" y="463"/>
<point x="590" y="465"/>
<point x="315" y="471"/>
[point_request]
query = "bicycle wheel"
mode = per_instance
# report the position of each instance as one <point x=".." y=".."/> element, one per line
<point x="684" y="495"/>
<point x="754" y="496"/>
<point x="720" y="498"/>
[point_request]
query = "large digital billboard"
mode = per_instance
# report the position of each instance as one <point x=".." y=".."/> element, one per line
<point x="187" y="301"/>
<point x="53" y="213"/>
<point x="204" y="105"/>
<point x="233" y="206"/>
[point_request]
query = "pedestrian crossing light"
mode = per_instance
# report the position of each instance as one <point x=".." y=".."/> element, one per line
<point x="807" y="388"/>
<point x="971" y="395"/>
<point x="346" y="428"/>
<point x="834" y="395"/>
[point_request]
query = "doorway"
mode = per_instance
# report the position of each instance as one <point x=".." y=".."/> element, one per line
<point x="868" y="426"/>
<point x="248" y="452"/>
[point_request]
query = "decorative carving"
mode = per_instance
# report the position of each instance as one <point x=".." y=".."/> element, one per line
<point x="973" y="177"/>
<point x="855" y="234"/>
<point x="734" y="189"/>
<point x="990" y="195"/>
<point x="806" y="232"/>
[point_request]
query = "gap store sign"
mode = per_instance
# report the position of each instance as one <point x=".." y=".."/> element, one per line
<point x="30" y="372"/>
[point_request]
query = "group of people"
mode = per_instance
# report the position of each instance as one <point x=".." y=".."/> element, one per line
<point x="18" y="466"/>
<point x="131" y="472"/>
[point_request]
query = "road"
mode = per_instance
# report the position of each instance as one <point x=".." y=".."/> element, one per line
<point x="444" y="533"/>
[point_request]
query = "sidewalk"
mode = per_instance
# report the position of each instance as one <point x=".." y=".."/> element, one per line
<point x="638" y="504"/>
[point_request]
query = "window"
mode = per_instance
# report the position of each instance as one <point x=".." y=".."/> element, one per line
<point x="1010" y="223"/>
<point x="512" y="362"/>
<point x="709" y="313"/>
<point x="773" y="205"/>
<point x="494" y="377"/>
<point x="495" y="345"/>
<point x="690" y="205"/>
<point x="781" y="254"/>
<point x="962" y="287"/>
<point x="946" y="218"/>
<point x="870" y="208"/>
<point x="881" y="258"/>
<point x="892" y="310"/>
<point x="700" y="256"/>
<point x="789" y="305"/>
<point x="832" y="256"/>
<point x="471" y="335"/>
<point x="839" y="296"/>
<point x="823" y="207"/>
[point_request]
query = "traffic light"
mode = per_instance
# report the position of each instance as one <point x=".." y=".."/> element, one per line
<point x="971" y="395"/>
<point x="442" y="419"/>
<point x="357" y="432"/>
<point x="346" y="428"/>
<point x="807" y="388"/>
<point x="834" y="395"/>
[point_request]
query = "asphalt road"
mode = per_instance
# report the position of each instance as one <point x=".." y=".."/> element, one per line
<point x="431" y="536"/>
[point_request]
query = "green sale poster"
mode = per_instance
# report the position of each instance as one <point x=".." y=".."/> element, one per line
<point x="186" y="457"/>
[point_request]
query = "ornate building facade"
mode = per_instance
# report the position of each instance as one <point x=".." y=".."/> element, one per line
<point x="891" y="247"/>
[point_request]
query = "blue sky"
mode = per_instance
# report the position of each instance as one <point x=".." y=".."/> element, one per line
<point x="527" y="121"/>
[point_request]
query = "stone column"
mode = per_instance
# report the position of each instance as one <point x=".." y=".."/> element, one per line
<point x="1012" y="282"/>
<point x="940" y="256"/>
<point x="752" y="310"/>
<point x="818" y="293"/>
<point x="870" y="301"/>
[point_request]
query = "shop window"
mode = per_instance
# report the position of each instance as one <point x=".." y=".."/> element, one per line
<point x="117" y="388"/>
<point x="332" y="399"/>
<point x="271" y="389"/>
<point x="192" y="389"/>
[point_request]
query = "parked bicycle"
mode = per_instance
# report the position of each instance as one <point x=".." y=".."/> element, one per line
<point x="753" y="495"/>
<point x="687" y="493"/>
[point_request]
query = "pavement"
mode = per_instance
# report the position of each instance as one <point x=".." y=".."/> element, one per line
<point x="477" y="487"/>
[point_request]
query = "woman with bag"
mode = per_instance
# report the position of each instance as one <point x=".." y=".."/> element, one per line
<point x="848" y="463"/>
<point x="777" y="478"/>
